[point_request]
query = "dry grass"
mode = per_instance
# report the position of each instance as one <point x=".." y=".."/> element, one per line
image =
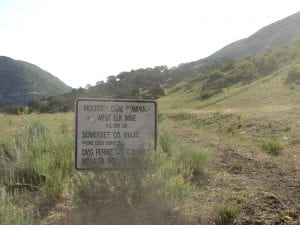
<point x="234" y="124"/>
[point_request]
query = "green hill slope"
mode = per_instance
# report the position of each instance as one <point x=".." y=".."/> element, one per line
<point x="263" y="93"/>
<point x="136" y="84"/>
<point x="278" y="34"/>
<point x="21" y="82"/>
<point x="237" y="124"/>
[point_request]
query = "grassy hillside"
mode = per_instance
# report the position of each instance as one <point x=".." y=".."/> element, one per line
<point x="264" y="92"/>
<point x="21" y="82"/>
<point x="278" y="34"/>
<point x="253" y="129"/>
<point x="270" y="78"/>
<point x="197" y="81"/>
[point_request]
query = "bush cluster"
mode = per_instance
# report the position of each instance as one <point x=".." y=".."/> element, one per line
<point x="293" y="75"/>
<point x="272" y="146"/>
<point x="225" y="215"/>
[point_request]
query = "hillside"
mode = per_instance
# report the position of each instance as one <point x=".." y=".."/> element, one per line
<point x="21" y="82"/>
<point x="243" y="61"/>
<point x="236" y="124"/>
<point x="219" y="89"/>
<point x="136" y="84"/>
<point x="193" y="84"/>
<point x="278" y="34"/>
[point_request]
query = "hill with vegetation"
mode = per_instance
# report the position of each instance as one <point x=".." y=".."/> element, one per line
<point x="279" y="34"/>
<point x="200" y="82"/>
<point x="21" y="82"/>
<point x="252" y="127"/>
<point x="136" y="84"/>
<point x="216" y="80"/>
<point x="243" y="61"/>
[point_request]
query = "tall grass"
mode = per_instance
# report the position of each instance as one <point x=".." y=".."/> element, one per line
<point x="38" y="159"/>
<point x="11" y="214"/>
<point x="190" y="160"/>
<point x="40" y="156"/>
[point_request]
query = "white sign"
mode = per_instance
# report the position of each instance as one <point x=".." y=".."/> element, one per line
<point x="110" y="133"/>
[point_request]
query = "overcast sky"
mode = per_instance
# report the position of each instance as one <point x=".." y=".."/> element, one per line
<point x="84" y="41"/>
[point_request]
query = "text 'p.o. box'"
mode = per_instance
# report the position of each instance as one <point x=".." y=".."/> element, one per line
<point x="110" y="134"/>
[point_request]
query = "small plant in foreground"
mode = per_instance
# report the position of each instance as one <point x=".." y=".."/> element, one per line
<point x="189" y="160"/>
<point x="236" y="166"/>
<point x="272" y="146"/>
<point x="167" y="141"/>
<point x="226" y="215"/>
<point x="293" y="75"/>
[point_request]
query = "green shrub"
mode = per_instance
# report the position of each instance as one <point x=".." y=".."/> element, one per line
<point x="189" y="160"/>
<point x="143" y="195"/>
<point x="293" y="75"/>
<point x="36" y="160"/>
<point x="192" y="161"/>
<point x="272" y="146"/>
<point x="245" y="70"/>
<point x="226" y="215"/>
<point x="207" y="93"/>
<point x="167" y="141"/>
<point x="236" y="166"/>
<point x="160" y="181"/>
<point x="164" y="177"/>
<point x="215" y="75"/>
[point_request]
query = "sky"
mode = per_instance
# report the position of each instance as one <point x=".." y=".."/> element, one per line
<point x="85" y="41"/>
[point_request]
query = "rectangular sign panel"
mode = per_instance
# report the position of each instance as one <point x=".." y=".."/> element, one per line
<point x="111" y="133"/>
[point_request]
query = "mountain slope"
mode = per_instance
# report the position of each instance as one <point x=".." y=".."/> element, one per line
<point x="21" y="82"/>
<point x="275" y="35"/>
<point x="265" y="91"/>
<point x="204" y="78"/>
<point x="236" y="122"/>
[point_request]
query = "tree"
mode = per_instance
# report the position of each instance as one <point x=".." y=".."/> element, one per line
<point x="267" y="63"/>
<point x="215" y="75"/>
<point x="88" y="86"/>
<point x="245" y="71"/>
<point x="293" y="75"/>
